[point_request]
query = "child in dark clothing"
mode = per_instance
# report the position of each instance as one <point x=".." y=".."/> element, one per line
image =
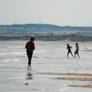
<point x="69" y="50"/>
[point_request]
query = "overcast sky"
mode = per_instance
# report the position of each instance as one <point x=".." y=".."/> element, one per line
<point x="58" y="12"/>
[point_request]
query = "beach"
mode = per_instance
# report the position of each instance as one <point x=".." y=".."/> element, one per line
<point x="51" y="70"/>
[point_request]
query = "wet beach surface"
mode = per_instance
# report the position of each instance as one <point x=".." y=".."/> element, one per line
<point x="51" y="70"/>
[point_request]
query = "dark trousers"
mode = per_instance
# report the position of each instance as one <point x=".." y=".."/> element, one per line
<point x="76" y="52"/>
<point x="29" y="55"/>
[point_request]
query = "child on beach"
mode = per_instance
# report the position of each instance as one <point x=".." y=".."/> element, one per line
<point x="30" y="47"/>
<point x="77" y="50"/>
<point x="69" y="50"/>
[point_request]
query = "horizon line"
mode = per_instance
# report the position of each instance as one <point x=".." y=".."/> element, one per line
<point x="45" y="24"/>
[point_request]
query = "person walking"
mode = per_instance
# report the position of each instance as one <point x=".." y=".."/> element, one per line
<point x="30" y="47"/>
<point x="77" y="50"/>
<point x="69" y="50"/>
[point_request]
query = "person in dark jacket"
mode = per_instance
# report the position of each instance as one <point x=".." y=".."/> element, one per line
<point x="30" y="47"/>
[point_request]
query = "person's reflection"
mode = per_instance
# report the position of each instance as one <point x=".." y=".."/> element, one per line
<point x="29" y="76"/>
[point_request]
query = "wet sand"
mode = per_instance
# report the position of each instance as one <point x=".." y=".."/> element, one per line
<point x="83" y="86"/>
<point x="74" y="78"/>
<point x="69" y="74"/>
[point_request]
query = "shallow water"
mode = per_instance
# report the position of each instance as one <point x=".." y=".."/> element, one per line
<point x="51" y="68"/>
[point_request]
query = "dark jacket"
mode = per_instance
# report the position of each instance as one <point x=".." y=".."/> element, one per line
<point x="30" y="46"/>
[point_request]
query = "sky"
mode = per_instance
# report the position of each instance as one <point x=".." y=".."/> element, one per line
<point x="57" y="12"/>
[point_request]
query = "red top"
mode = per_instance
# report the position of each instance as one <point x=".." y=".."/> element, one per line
<point x="30" y="45"/>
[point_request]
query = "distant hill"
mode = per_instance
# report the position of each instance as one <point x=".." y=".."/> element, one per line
<point x="44" y="32"/>
<point x="42" y="27"/>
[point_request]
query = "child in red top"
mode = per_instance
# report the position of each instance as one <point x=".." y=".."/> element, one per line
<point x="30" y="46"/>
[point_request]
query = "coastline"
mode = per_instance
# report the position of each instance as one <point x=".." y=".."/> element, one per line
<point x="53" y="42"/>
